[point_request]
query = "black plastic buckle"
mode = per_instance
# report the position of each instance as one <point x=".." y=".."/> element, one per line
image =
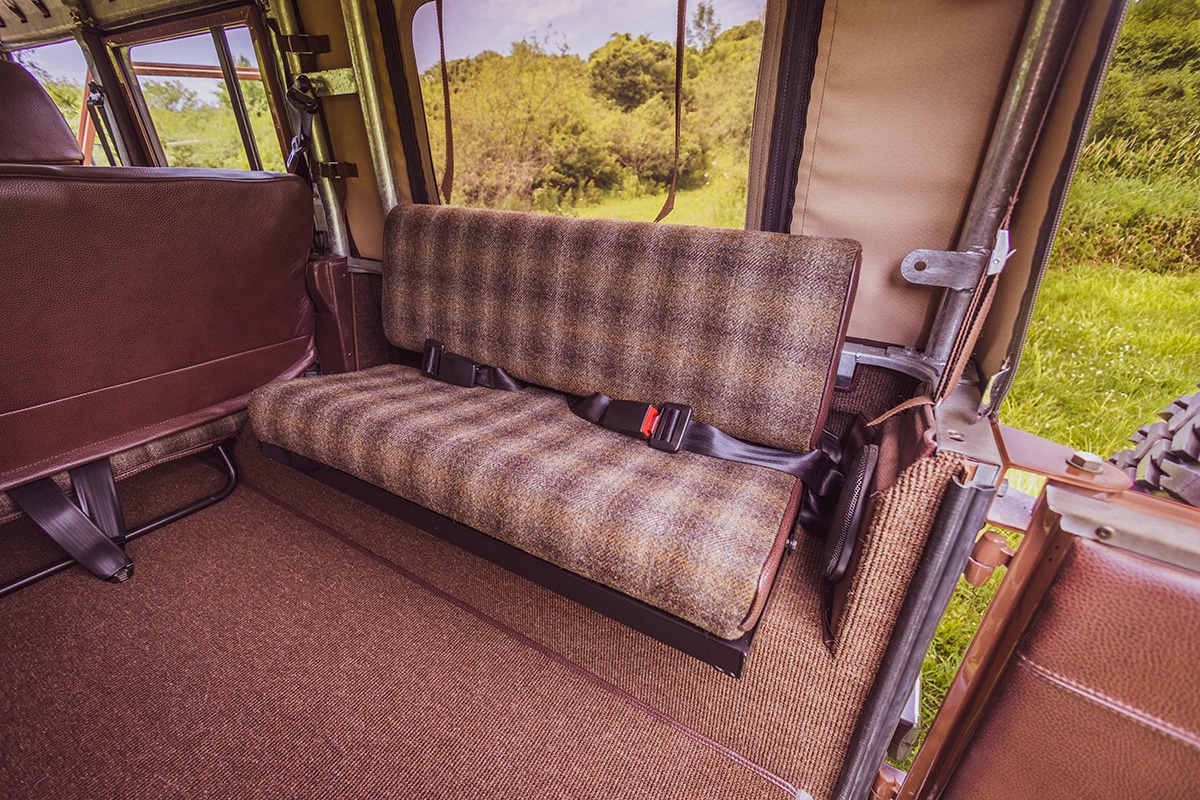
<point x="447" y="367"/>
<point x="673" y="421"/>
<point x="630" y="418"/>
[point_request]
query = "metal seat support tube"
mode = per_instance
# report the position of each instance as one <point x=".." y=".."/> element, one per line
<point x="1049" y="36"/>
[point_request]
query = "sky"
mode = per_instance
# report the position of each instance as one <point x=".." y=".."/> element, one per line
<point x="65" y="60"/>
<point x="473" y="26"/>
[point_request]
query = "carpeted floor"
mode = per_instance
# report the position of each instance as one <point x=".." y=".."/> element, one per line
<point x="258" y="653"/>
<point x="294" y="642"/>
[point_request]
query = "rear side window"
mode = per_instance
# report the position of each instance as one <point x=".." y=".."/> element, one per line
<point x="204" y="114"/>
<point x="572" y="111"/>
<point x="63" y="72"/>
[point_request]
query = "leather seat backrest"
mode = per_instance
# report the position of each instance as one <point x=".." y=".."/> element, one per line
<point x="138" y="301"/>
<point x="32" y="129"/>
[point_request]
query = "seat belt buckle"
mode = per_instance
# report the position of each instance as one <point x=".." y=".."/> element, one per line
<point x="631" y="418"/>
<point x="447" y="367"/>
<point x="672" y="424"/>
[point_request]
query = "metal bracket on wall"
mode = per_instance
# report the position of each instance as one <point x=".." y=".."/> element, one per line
<point x="303" y="45"/>
<point x="337" y="169"/>
<point x="333" y="82"/>
<point x="945" y="268"/>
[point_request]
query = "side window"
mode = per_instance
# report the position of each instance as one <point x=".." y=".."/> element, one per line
<point x="204" y="95"/>
<point x="560" y="114"/>
<point x="62" y="71"/>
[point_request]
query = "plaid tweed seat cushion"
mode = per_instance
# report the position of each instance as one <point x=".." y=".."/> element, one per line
<point x="691" y="535"/>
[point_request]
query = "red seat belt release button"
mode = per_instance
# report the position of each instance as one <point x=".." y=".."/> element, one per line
<point x="631" y="418"/>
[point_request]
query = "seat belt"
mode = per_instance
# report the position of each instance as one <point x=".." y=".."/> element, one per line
<point x="302" y="97"/>
<point x="90" y="532"/>
<point x="668" y="427"/>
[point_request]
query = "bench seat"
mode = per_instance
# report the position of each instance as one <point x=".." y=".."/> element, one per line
<point x="743" y="327"/>
<point x="694" y="536"/>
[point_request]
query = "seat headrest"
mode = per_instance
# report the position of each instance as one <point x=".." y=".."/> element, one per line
<point x="32" y="129"/>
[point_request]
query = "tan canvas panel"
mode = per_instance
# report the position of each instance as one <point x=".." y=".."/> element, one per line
<point x="903" y="101"/>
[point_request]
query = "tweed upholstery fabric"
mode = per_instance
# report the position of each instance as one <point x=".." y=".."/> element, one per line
<point x="743" y="326"/>
<point x="128" y="463"/>
<point x="685" y="533"/>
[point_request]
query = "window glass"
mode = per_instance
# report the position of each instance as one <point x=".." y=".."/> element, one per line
<point x="62" y="71"/>
<point x="571" y="111"/>
<point x="190" y="104"/>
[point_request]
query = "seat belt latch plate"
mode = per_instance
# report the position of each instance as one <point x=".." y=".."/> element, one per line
<point x="673" y="421"/>
<point x="631" y="418"/>
<point x="447" y="367"/>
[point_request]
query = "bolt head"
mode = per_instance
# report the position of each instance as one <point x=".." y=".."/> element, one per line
<point x="1105" y="532"/>
<point x="1088" y="462"/>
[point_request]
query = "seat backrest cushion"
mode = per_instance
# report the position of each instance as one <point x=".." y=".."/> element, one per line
<point x="32" y="129"/>
<point x="141" y="301"/>
<point x="746" y="327"/>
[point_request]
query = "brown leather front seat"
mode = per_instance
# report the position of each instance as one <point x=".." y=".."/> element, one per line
<point x="138" y="302"/>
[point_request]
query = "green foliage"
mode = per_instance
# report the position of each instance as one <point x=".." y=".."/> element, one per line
<point x="1135" y="198"/>
<point x="630" y="71"/>
<point x="551" y="132"/>
<point x="725" y="85"/>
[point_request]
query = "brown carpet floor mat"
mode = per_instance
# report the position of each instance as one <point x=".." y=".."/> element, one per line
<point x="257" y="653"/>
<point x="796" y="706"/>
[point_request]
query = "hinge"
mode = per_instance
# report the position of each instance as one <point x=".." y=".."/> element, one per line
<point x="303" y="44"/>
<point x="337" y="169"/>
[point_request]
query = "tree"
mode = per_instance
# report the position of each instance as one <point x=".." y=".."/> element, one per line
<point x="704" y="28"/>
<point x="630" y="71"/>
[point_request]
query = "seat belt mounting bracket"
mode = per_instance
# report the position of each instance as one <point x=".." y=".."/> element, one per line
<point x="673" y="421"/>
<point x="447" y="367"/>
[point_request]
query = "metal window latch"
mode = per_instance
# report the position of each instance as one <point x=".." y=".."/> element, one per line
<point x="946" y="268"/>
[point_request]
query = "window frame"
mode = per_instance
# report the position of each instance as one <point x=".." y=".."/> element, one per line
<point x="118" y="45"/>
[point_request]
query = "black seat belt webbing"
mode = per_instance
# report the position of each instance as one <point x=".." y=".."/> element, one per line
<point x="460" y="371"/>
<point x="53" y="512"/>
<point x="302" y="97"/>
<point x="96" y="490"/>
<point x="671" y="429"/>
<point x="668" y="427"/>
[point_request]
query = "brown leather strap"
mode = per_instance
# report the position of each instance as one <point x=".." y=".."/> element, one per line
<point x="681" y="18"/>
<point x="905" y="406"/>
<point x="448" y="175"/>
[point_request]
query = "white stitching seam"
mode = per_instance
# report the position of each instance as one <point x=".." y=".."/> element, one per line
<point x="1117" y="706"/>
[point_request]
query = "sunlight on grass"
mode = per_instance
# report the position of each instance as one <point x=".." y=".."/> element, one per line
<point x="720" y="204"/>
